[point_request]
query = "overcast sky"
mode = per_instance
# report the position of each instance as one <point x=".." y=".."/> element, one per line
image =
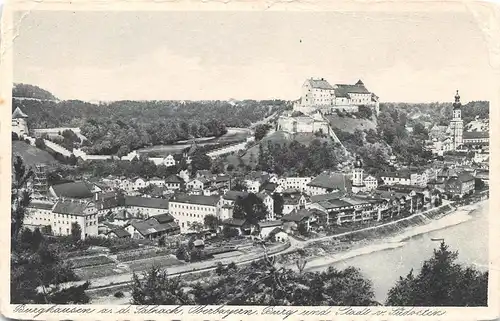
<point x="214" y="55"/>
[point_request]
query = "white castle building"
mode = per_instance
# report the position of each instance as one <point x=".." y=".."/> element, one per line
<point x="318" y="94"/>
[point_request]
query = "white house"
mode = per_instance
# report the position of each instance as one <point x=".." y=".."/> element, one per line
<point x="139" y="183"/>
<point x="195" y="185"/>
<point x="39" y="214"/>
<point x="298" y="183"/>
<point x="66" y="212"/>
<point x="253" y="186"/>
<point x="187" y="209"/>
<point x="156" y="181"/>
<point x="370" y="182"/>
<point x="269" y="203"/>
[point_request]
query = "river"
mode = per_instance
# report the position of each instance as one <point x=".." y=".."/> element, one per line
<point x="469" y="238"/>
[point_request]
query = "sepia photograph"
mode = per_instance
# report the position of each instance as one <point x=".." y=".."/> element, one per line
<point x="249" y="158"/>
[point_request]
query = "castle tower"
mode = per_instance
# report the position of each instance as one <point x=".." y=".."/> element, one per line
<point x="357" y="176"/>
<point x="457" y="124"/>
<point x="19" y="122"/>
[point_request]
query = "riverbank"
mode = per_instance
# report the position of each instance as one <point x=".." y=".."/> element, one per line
<point x="455" y="217"/>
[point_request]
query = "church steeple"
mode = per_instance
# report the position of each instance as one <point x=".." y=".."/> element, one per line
<point x="457" y="103"/>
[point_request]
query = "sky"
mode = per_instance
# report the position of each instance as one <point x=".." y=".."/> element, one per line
<point x="190" y="55"/>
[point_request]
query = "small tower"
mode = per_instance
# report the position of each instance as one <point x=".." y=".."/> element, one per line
<point x="19" y="122"/>
<point x="357" y="176"/>
<point x="457" y="124"/>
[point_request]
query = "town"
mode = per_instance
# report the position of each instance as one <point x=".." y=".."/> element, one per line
<point x="294" y="176"/>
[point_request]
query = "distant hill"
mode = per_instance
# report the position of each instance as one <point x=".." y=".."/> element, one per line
<point x="31" y="155"/>
<point x="31" y="91"/>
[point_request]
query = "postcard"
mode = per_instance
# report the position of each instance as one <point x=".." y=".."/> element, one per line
<point x="305" y="160"/>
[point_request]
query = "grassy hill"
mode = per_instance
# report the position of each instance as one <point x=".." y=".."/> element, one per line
<point x="350" y="124"/>
<point x="31" y="155"/>
<point x="279" y="137"/>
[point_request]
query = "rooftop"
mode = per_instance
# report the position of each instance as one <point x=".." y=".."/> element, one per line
<point x="196" y="199"/>
<point x="73" y="190"/>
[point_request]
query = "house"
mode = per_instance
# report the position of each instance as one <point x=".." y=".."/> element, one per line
<point x="197" y="184"/>
<point x="169" y="161"/>
<point x="304" y="217"/>
<point x="241" y="225"/>
<point x="460" y="186"/>
<point x="227" y="201"/>
<point x="299" y="183"/>
<point x="253" y="186"/>
<point x="106" y="202"/>
<point x="269" y="203"/>
<point x="269" y="187"/>
<point x="254" y="180"/>
<point x="66" y="212"/>
<point x="153" y="227"/>
<point x="173" y="182"/>
<point x="144" y="206"/>
<point x="155" y="181"/>
<point x="281" y="237"/>
<point x="266" y="227"/>
<point x="329" y="182"/>
<point x="405" y="177"/>
<point x="38" y="214"/>
<point x="484" y="175"/>
<point x="370" y="182"/>
<point x="477" y="138"/>
<point x="77" y="190"/>
<point x="139" y="183"/>
<point x="293" y="201"/>
<point x="188" y="209"/>
<point x="118" y="233"/>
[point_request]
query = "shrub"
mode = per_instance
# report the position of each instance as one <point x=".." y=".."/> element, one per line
<point x="119" y="294"/>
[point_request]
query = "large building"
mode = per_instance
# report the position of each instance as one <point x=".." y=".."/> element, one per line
<point x="61" y="215"/>
<point x="318" y="94"/>
<point x="187" y="209"/>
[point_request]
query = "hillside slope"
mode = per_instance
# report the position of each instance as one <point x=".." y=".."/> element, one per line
<point x="350" y="124"/>
<point x="31" y="155"/>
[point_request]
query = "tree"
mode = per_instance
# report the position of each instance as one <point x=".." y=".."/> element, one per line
<point x="76" y="232"/>
<point x="211" y="221"/>
<point x="364" y="112"/>
<point x="196" y="226"/>
<point x="441" y="282"/>
<point x="251" y="208"/>
<point x="157" y="288"/>
<point x="279" y="203"/>
<point x="261" y="131"/>
<point x="237" y="184"/>
<point x="15" y="136"/>
<point x="479" y="184"/>
<point x="20" y="194"/>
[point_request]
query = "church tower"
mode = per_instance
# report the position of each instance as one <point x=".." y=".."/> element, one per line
<point x="457" y="124"/>
<point x="357" y="176"/>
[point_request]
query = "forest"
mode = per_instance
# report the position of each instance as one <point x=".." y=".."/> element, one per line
<point x="121" y="126"/>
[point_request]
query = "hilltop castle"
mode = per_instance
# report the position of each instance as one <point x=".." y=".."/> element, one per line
<point x="319" y="98"/>
<point x="318" y="94"/>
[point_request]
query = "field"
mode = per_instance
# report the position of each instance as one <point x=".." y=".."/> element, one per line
<point x="31" y="155"/>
